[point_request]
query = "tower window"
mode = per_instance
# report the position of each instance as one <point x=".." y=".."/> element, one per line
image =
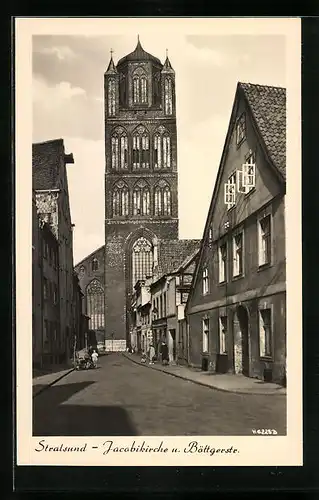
<point x="141" y="198"/>
<point x="95" y="304"/>
<point x="111" y="97"/>
<point x="119" y="149"/>
<point x="142" y="260"/>
<point x="141" y="148"/>
<point x="120" y="200"/>
<point x="162" y="199"/>
<point x="168" y="97"/>
<point x="140" y="90"/>
<point x="162" y="149"/>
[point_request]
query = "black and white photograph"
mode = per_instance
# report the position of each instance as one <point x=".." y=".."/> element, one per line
<point x="162" y="221"/>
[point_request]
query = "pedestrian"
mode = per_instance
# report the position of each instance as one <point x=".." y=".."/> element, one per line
<point x="143" y="358"/>
<point x="151" y="354"/>
<point x="94" y="358"/>
<point x="164" y="351"/>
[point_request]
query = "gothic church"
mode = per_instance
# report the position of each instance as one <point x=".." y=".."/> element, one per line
<point x="141" y="190"/>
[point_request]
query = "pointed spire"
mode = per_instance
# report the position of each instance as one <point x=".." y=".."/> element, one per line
<point x="167" y="65"/>
<point x="111" y="67"/>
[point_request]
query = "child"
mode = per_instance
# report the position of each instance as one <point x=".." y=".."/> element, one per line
<point x="94" y="358"/>
<point x="143" y="358"/>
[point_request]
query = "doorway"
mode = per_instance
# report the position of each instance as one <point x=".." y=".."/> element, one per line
<point x="241" y="341"/>
<point x="172" y="345"/>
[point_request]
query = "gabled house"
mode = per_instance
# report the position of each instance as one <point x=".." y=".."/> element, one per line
<point x="169" y="294"/>
<point x="50" y="187"/>
<point x="237" y="306"/>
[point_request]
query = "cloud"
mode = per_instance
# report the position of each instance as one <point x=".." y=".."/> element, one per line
<point x="61" y="53"/>
<point x="54" y="95"/>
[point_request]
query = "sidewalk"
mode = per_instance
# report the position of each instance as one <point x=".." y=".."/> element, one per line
<point x="221" y="382"/>
<point x="42" y="381"/>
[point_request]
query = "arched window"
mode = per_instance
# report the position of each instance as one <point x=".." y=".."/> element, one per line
<point x="95" y="304"/>
<point x="162" y="199"/>
<point x="141" y="148"/>
<point x="95" y="264"/>
<point x="119" y="149"/>
<point x="168" y="97"/>
<point x="111" y="96"/>
<point x="141" y="198"/>
<point x="120" y="200"/>
<point x="140" y="90"/>
<point x="142" y="260"/>
<point x="162" y="148"/>
<point x="81" y="272"/>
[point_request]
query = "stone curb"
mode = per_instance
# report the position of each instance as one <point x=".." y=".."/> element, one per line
<point x="46" y="386"/>
<point x="233" y="391"/>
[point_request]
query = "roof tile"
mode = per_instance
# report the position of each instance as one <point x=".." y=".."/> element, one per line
<point x="268" y="105"/>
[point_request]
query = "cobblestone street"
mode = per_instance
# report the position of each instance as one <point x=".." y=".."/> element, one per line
<point x="123" y="398"/>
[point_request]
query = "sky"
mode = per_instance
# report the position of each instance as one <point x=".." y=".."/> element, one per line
<point x="68" y="86"/>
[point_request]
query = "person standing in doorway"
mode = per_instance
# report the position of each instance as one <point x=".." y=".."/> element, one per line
<point x="164" y="351"/>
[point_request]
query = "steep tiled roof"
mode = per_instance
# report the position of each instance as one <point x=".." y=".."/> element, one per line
<point x="46" y="157"/>
<point x="172" y="253"/>
<point x="268" y="105"/>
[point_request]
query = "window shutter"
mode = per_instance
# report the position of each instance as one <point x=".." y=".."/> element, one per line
<point x="249" y="175"/>
<point x="240" y="178"/>
<point x="260" y="244"/>
<point x="229" y="194"/>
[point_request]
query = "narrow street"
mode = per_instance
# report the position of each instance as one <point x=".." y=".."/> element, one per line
<point x="123" y="398"/>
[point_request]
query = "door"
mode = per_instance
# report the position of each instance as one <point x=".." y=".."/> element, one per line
<point x="241" y="341"/>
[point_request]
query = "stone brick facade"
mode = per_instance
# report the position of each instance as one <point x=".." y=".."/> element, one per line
<point x="129" y="112"/>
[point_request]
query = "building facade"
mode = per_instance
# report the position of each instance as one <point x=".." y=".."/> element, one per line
<point x="50" y="185"/>
<point x="237" y="307"/>
<point x="141" y="195"/>
<point x="90" y="272"/>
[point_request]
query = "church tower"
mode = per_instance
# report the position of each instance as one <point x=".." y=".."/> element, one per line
<point x="141" y="182"/>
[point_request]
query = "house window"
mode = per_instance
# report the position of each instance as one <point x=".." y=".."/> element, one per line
<point x="241" y="129"/>
<point x="45" y="289"/>
<point x="205" y="281"/>
<point x="111" y="96"/>
<point x="205" y="334"/>
<point x="141" y="148"/>
<point x="222" y="263"/>
<point x="168" y="97"/>
<point x="141" y="198"/>
<point x="162" y="199"/>
<point x="264" y="240"/>
<point x="161" y="306"/>
<point x="162" y="149"/>
<point x="120" y="199"/>
<point x="223" y="335"/>
<point x="45" y="249"/>
<point x="164" y="301"/>
<point x="55" y="294"/>
<point x="45" y="332"/>
<point x="238" y="254"/>
<point x="119" y="149"/>
<point x="265" y="333"/>
<point x="210" y="237"/>
<point x="230" y="191"/>
<point x="95" y="265"/>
